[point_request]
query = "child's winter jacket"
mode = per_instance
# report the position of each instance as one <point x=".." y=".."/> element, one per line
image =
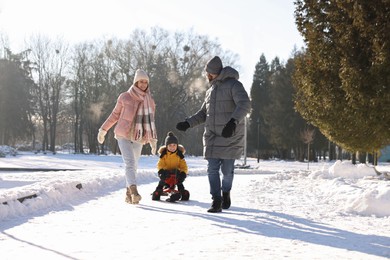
<point x="170" y="161"/>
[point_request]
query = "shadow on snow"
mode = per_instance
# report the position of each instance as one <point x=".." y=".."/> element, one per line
<point x="280" y="225"/>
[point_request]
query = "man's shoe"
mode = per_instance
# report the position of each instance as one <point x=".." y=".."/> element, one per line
<point x="226" y="200"/>
<point x="216" y="206"/>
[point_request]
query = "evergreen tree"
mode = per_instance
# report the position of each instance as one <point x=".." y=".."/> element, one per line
<point x="284" y="123"/>
<point x="343" y="77"/>
<point x="15" y="99"/>
<point x="259" y="94"/>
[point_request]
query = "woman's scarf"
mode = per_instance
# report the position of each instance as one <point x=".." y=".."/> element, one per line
<point x="144" y="127"/>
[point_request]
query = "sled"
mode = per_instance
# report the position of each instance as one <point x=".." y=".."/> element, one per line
<point x="171" y="191"/>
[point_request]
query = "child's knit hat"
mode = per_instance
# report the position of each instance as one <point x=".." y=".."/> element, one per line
<point x="171" y="139"/>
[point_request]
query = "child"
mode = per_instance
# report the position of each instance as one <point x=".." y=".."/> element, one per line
<point x="171" y="162"/>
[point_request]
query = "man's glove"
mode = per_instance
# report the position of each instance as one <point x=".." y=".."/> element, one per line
<point x="181" y="177"/>
<point x="163" y="174"/>
<point x="101" y="136"/>
<point x="153" y="146"/>
<point x="229" y="128"/>
<point x="182" y="126"/>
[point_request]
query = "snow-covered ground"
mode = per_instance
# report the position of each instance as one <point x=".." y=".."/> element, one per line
<point x="280" y="210"/>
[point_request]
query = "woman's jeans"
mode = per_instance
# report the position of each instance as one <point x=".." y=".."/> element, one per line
<point x="227" y="168"/>
<point x="131" y="152"/>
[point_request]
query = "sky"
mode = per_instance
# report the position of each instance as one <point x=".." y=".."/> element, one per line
<point x="280" y="210"/>
<point x="248" y="28"/>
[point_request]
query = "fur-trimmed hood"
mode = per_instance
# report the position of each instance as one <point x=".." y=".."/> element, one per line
<point x="164" y="148"/>
<point x="171" y="161"/>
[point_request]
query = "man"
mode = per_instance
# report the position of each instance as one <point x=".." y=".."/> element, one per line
<point x="223" y="111"/>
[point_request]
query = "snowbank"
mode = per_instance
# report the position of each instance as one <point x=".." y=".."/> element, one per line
<point x="356" y="188"/>
<point x="352" y="189"/>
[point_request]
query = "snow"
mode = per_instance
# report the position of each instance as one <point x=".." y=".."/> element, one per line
<point x="280" y="209"/>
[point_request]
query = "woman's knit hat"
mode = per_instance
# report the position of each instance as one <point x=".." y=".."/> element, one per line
<point x="140" y="74"/>
<point x="171" y="139"/>
<point x="214" y="66"/>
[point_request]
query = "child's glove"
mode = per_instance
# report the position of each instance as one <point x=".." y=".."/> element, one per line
<point x="229" y="128"/>
<point x="101" y="136"/>
<point x="181" y="177"/>
<point x="163" y="174"/>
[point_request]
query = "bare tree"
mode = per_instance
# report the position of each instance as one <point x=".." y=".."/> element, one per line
<point x="49" y="59"/>
<point x="100" y="70"/>
<point x="81" y="59"/>
<point x="56" y="77"/>
<point x="307" y="137"/>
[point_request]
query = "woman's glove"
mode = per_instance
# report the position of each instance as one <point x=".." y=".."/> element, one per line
<point x="101" y="136"/>
<point x="153" y="146"/>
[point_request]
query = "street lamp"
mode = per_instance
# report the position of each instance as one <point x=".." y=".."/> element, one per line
<point x="245" y="144"/>
<point x="245" y="141"/>
<point x="258" y="140"/>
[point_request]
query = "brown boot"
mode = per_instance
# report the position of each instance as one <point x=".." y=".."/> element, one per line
<point x="135" y="197"/>
<point x="128" y="196"/>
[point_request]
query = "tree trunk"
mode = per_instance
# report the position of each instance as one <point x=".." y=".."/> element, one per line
<point x="353" y="158"/>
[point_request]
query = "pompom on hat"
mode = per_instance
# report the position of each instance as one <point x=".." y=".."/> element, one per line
<point x="171" y="139"/>
<point x="214" y="66"/>
<point x="140" y="74"/>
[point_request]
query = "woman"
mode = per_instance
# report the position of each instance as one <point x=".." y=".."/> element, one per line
<point x="134" y="115"/>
